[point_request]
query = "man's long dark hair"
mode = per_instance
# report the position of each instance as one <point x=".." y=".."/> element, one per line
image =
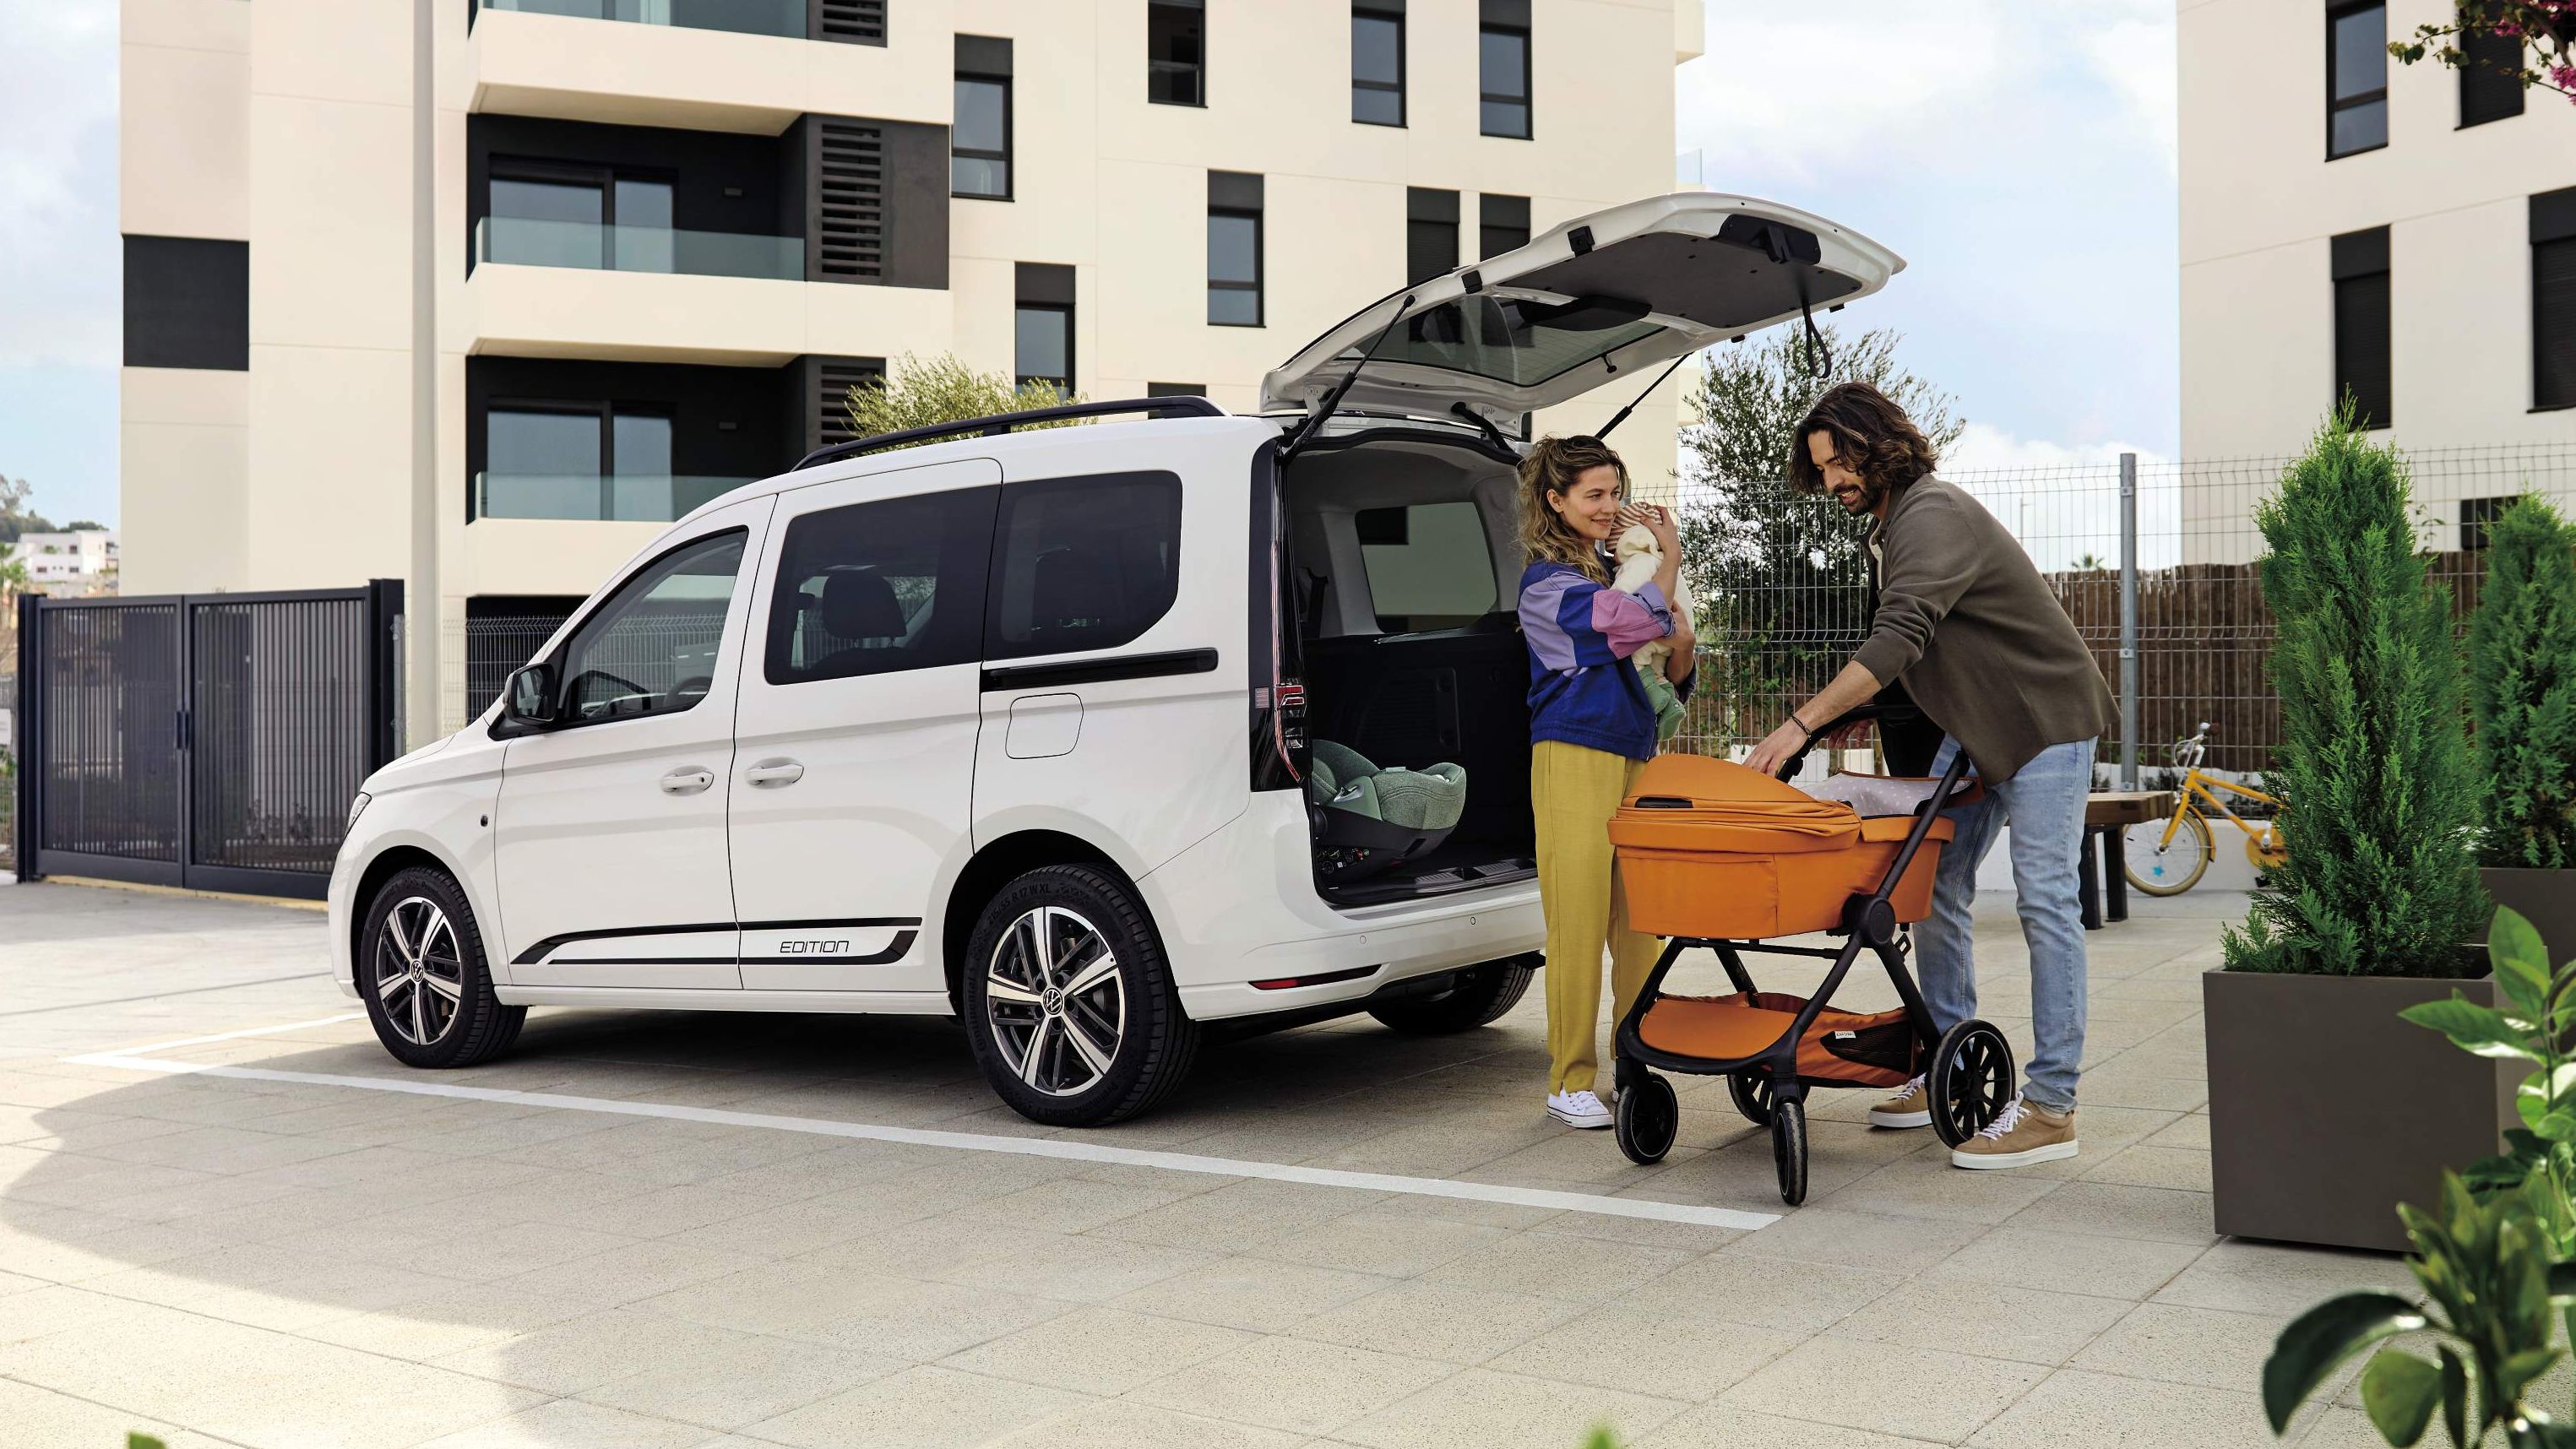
<point x="1871" y="434"/>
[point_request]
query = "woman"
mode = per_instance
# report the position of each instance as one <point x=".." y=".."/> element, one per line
<point x="1591" y="727"/>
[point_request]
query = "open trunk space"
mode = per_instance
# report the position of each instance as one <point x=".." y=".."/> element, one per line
<point x="1403" y="574"/>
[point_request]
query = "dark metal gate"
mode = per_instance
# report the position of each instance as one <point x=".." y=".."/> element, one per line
<point x="203" y="740"/>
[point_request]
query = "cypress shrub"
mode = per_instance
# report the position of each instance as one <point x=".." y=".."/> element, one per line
<point x="2374" y="760"/>
<point x="2522" y="690"/>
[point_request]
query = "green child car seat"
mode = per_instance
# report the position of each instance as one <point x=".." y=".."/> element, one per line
<point x="1367" y="819"/>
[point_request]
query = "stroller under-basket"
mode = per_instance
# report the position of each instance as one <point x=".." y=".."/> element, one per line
<point x="1718" y="855"/>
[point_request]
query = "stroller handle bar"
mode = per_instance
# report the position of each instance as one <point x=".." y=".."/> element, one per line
<point x="1861" y="714"/>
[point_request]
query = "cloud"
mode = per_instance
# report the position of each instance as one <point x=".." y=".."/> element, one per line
<point x="59" y="252"/>
<point x="2063" y="501"/>
<point x="2135" y="58"/>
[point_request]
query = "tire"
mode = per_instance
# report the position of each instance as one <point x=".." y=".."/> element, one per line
<point x="1649" y="1117"/>
<point x="422" y="973"/>
<point x="1789" y="1149"/>
<point x="1477" y="996"/>
<point x="1971" y="1079"/>
<point x="2166" y="870"/>
<point x="1752" y="1096"/>
<point x="1109" y="1047"/>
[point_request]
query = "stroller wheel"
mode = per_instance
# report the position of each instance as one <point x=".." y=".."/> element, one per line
<point x="1650" y="1116"/>
<point x="1972" y="1077"/>
<point x="1789" y="1149"/>
<point x="1752" y="1096"/>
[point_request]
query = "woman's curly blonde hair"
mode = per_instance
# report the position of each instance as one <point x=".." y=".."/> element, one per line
<point x="1552" y="465"/>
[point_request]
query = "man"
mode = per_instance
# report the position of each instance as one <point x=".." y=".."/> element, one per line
<point x="1965" y="621"/>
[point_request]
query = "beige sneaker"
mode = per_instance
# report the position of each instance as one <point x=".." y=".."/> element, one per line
<point x="1910" y="1107"/>
<point x="2021" y="1134"/>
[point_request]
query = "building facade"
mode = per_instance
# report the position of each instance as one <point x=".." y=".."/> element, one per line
<point x="2403" y="235"/>
<point x="83" y="561"/>
<point x="666" y="236"/>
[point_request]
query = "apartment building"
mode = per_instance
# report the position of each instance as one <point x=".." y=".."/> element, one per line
<point x="81" y="561"/>
<point x="668" y="235"/>
<point x="2350" y="225"/>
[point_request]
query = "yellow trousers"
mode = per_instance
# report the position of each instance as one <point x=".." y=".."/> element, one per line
<point x="1573" y="791"/>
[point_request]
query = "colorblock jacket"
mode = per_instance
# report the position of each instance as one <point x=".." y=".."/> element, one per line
<point x="1583" y="690"/>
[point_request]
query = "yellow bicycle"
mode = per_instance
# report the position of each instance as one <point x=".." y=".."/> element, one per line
<point x="2168" y="857"/>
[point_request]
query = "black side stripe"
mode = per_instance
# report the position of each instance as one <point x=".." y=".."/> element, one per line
<point x="902" y="943"/>
<point x="538" y="952"/>
<point x="1092" y="671"/>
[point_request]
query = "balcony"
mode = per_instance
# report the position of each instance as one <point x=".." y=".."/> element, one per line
<point x="743" y="17"/>
<point x="588" y="497"/>
<point x="592" y="246"/>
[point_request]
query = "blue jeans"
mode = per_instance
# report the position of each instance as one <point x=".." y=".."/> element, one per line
<point x="2044" y="802"/>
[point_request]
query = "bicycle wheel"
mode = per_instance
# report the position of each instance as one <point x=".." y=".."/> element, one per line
<point x="2162" y="869"/>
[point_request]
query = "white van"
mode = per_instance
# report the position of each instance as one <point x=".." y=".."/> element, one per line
<point x="1016" y="726"/>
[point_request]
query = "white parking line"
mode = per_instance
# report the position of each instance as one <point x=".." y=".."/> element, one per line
<point x="189" y="1041"/>
<point x="1060" y="1148"/>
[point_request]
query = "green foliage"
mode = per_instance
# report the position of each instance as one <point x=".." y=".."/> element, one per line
<point x="2496" y="1300"/>
<point x="143" y="1441"/>
<point x="2546" y="59"/>
<point x="2522" y="689"/>
<point x="919" y="394"/>
<point x="2375" y="753"/>
<point x="16" y="517"/>
<point x="1775" y="573"/>
<point x="2537" y="1024"/>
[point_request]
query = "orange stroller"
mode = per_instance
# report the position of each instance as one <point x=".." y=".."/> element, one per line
<point x="1714" y="854"/>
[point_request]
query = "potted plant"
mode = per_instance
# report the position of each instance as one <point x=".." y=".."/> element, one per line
<point x="2326" y="1110"/>
<point x="2522" y="699"/>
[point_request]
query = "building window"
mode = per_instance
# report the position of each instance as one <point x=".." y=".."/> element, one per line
<point x="1043" y="325"/>
<point x="2553" y="299"/>
<point x="1176" y="389"/>
<point x="2476" y="516"/>
<point x="1502" y="223"/>
<point x="1234" y="249"/>
<point x="1503" y="62"/>
<point x="1377" y="62"/>
<point x="2356" y="79"/>
<point x="582" y="460"/>
<point x="187" y="303"/>
<point x="979" y="146"/>
<point x="569" y="215"/>
<point x="1176" y="52"/>
<point x="1430" y="234"/>
<point x="2361" y="341"/>
<point x="2490" y="76"/>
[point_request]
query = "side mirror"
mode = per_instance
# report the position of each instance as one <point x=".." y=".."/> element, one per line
<point x="530" y="695"/>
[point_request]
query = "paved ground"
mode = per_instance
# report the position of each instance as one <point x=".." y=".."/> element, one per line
<point x="284" y="1261"/>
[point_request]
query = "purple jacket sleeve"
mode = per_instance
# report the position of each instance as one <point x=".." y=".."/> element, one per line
<point x="1570" y="621"/>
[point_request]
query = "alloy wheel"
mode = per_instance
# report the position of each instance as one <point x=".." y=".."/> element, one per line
<point x="1055" y="1001"/>
<point x="420" y="974"/>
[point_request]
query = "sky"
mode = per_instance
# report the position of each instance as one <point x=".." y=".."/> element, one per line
<point x="2018" y="153"/>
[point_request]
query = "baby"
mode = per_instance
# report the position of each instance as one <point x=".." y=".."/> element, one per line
<point x="1639" y="560"/>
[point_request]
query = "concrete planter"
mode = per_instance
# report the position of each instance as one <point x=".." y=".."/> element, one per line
<point x="2547" y="897"/>
<point x="2326" y="1110"/>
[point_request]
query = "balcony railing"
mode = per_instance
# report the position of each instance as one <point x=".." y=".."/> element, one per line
<point x="520" y="241"/>
<point x="748" y="17"/>
<point x="631" y="497"/>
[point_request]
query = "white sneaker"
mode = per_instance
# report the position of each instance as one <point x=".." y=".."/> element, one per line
<point x="1578" y="1109"/>
<point x="1911" y="1107"/>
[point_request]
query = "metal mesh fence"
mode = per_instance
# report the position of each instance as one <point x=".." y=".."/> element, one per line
<point x="1781" y="583"/>
<point x="478" y="652"/>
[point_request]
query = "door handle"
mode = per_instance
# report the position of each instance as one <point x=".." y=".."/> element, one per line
<point x="687" y="782"/>
<point x="775" y="772"/>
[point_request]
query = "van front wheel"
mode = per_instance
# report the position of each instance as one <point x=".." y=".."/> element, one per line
<point x="1069" y="1004"/>
<point x="1475" y="997"/>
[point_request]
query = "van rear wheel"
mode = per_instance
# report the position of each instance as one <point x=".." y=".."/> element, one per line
<point x="1474" y="997"/>
<point x="1069" y="1004"/>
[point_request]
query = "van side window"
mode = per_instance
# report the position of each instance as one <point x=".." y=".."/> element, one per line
<point x="876" y="587"/>
<point x="1430" y="565"/>
<point x="1085" y="563"/>
<point x="652" y="647"/>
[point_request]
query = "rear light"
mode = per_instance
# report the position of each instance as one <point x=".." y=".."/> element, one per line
<point x="1325" y="979"/>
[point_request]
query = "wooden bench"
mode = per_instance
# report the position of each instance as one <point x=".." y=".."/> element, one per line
<point x="2107" y="813"/>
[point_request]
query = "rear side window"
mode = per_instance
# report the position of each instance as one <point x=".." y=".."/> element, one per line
<point x="876" y="587"/>
<point x="652" y="648"/>
<point x="1083" y="563"/>
<point x="1430" y="565"/>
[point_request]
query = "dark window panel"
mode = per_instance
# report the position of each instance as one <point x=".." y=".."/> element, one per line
<point x="1503" y="60"/>
<point x="2553" y="323"/>
<point x="1234" y="268"/>
<point x="1044" y="345"/>
<point x="1176" y="53"/>
<point x="1083" y="563"/>
<point x="2356" y="79"/>
<point x="187" y="303"/>
<point x="979" y="146"/>
<point x="1176" y="389"/>
<point x="1377" y="66"/>
<point x="1430" y="233"/>
<point x="874" y="588"/>
<point x="1502" y="224"/>
<point x="2362" y="347"/>
<point x="2490" y="77"/>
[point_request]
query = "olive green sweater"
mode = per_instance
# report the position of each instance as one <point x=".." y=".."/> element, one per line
<point x="1966" y="621"/>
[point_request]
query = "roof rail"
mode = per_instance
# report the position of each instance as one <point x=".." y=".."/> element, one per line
<point x="1000" y="423"/>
